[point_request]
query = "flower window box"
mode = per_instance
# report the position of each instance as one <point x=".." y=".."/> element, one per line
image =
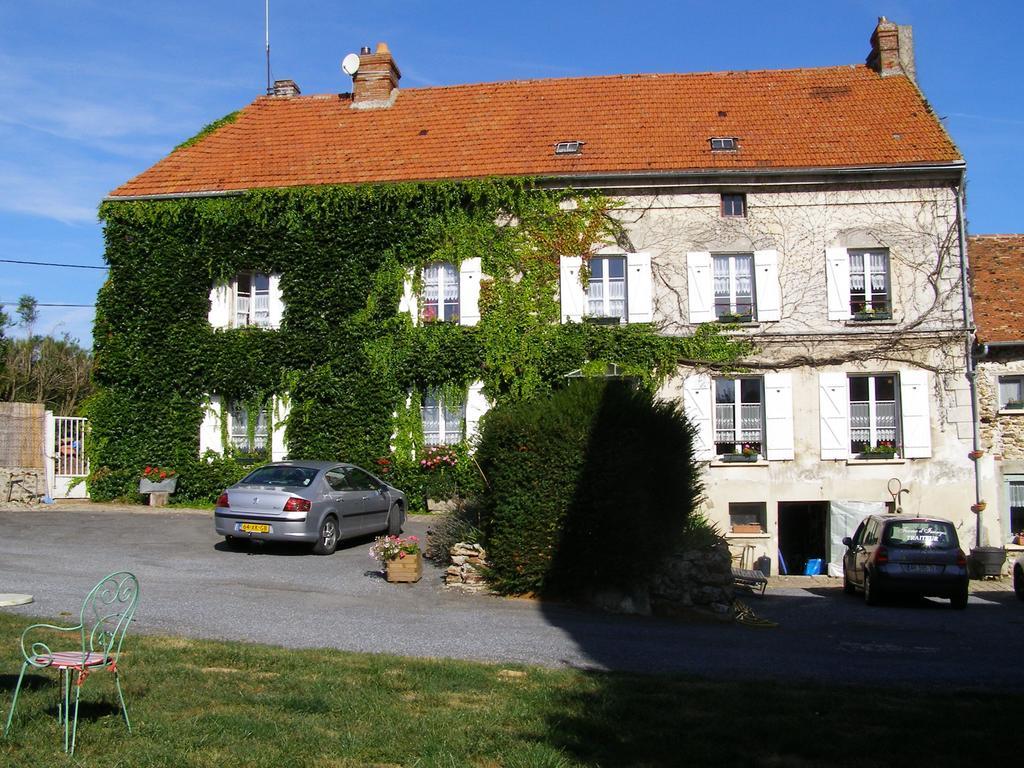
<point x="739" y="458"/>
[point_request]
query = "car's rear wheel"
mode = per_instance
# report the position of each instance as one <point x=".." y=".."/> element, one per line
<point x="327" y="540"/>
<point x="959" y="600"/>
<point x="1018" y="583"/>
<point x="871" y="592"/>
<point x="395" y="520"/>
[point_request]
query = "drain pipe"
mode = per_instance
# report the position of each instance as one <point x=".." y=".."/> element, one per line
<point x="972" y="374"/>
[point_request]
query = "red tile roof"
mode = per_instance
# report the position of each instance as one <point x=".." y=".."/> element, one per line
<point x="997" y="286"/>
<point x="801" y="118"/>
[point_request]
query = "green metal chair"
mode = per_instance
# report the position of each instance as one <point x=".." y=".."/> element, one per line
<point x="103" y="622"/>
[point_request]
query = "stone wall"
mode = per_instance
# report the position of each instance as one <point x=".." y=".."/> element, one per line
<point x="22" y="484"/>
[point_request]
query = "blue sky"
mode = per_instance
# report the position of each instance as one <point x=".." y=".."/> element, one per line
<point x="94" y="92"/>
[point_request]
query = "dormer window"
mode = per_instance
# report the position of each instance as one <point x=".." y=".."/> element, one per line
<point x="724" y="144"/>
<point x="569" y="148"/>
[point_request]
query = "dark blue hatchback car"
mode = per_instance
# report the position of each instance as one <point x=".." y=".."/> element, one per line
<point x="894" y="553"/>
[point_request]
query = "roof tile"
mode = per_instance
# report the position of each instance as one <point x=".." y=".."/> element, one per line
<point x="801" y="118"/>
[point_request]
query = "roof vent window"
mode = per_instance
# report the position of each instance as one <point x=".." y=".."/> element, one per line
<point x="724" y="144"/>
<point x="569" y="148"/>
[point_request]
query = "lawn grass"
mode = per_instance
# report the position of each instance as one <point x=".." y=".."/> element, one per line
<point x="199" y="703"/>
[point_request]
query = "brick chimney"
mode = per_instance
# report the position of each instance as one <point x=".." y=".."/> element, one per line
<point x="285" y="88"/>
<point x="892" y="49"/>
<point x="375" y="83"/>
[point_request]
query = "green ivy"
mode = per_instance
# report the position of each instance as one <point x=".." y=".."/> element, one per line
<point x="344" y="355"/>
<point x="206" y="130"/>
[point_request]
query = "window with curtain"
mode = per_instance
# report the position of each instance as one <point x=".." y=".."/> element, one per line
<point x="874" y="413"/>
<point x="739" y="415"/>
<point x="252" y="299"/>
<point x="606" y="290"/>
<point x="734" y="284"/>
<point x="442" y="425"/>
<point x="869" y="282"/>
<point x="238" y="432"/>
<point x="1015" y="498"/>
<point x="440" y="298"/>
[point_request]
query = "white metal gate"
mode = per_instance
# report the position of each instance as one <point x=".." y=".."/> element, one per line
<point x="66" y="436"/>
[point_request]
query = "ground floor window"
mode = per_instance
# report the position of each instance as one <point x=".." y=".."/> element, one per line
<point x="748" y="517"/>
<point x="442" y="423"/>
<point x="248" y="430"/>
<point x="1015" y="501"/>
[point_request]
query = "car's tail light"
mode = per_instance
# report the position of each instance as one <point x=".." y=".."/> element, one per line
<point x="881" y="556"/>
<point x="295" y="504"/>
<point x="222" y="500"/>
<point x="961" y="558"/>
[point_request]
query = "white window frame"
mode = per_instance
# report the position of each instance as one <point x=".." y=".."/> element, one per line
<point x="1018" y="380"/>
<point x="238" y="429"/>
<point x="606" y="282"/>
<point x="1008" y="482"/>
<point x="730" y="259"/>
<point x="251" y="314"/>
<point x="873" y="407"/>
<point x="444" y="310"/>
<point x="451" y="423"/>
<point x="865" y="255"/>
<point x="737" y="419"/>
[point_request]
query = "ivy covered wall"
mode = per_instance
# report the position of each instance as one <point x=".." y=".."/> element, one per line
<point x="344" y="354"/>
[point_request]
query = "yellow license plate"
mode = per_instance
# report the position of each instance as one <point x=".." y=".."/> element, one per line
<point x="254" y="528"/>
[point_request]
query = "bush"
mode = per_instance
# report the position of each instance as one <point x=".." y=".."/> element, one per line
<point x="457" y="525"/>
<point x="584" y="487"/>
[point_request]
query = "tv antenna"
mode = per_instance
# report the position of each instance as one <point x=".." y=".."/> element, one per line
<point x="266" y="29"/>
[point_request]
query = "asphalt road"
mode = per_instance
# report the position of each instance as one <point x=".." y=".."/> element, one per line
<point x="192" y="585"/>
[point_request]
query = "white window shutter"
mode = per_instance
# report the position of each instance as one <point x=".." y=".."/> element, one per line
<point x="280" y="407"/>
<point x="476" y="406"/>
<point x="574" y="300"/>
<point x="639" y="288"/>
<point x="209" y="429"/>
<point x="834" y="414"/>
<point x="701" y="287"/>
<point x="697" y="405"/>
<point x="914" y="407"/>
<point x="766" y="283"/>
<point x="275" y="301"/>
<point x="408" y="302"/>
<point x="778" y="416"/>
<point x="469" y="291"/>
<point x="220" y="306"/>
<point x="837" y="279"/>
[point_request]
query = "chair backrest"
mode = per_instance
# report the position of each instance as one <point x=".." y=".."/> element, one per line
<point x="107" y="612"/>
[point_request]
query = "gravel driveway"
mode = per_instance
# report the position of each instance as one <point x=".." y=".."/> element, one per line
<point x="193" y="585"/>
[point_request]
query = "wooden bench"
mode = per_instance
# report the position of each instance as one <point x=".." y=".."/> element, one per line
<point x="743" y="577"/>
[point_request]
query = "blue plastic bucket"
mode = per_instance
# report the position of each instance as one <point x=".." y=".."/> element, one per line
<point x="813" y="567"/>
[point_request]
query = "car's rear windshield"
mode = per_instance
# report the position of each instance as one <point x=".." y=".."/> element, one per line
<point x="285" y="477"/>
<point x="918" y="534"/>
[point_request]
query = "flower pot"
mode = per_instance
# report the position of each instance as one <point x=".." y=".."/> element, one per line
<point x="739" y="458"/>
<point x="876" y="315"/>
<point x="1013" y="406"/>
<point x="987" y="561"/>
<point x="406" y="569"/>
<point x="877" y="455"/>
<point x="747" y="528"/>
<point x="735" y="318"/>
<point x="164" y="486"/>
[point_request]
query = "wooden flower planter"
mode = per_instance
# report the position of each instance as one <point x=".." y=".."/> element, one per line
<point x="408" y="569"/>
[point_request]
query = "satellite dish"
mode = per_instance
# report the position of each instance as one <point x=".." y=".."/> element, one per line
<point x="350" y="64"/>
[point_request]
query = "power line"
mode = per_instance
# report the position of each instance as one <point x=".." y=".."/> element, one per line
<point x="50" y="264"/>
<point x="41" y="304"/>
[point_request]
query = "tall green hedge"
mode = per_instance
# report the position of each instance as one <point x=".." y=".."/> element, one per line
<point x="344" y="355"/>
<point x="584" y="487"/>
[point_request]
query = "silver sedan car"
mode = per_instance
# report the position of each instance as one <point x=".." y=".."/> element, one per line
<point x="318" y="502"/>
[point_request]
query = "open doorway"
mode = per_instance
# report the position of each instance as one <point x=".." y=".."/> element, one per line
<point x="803" y="533"/>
